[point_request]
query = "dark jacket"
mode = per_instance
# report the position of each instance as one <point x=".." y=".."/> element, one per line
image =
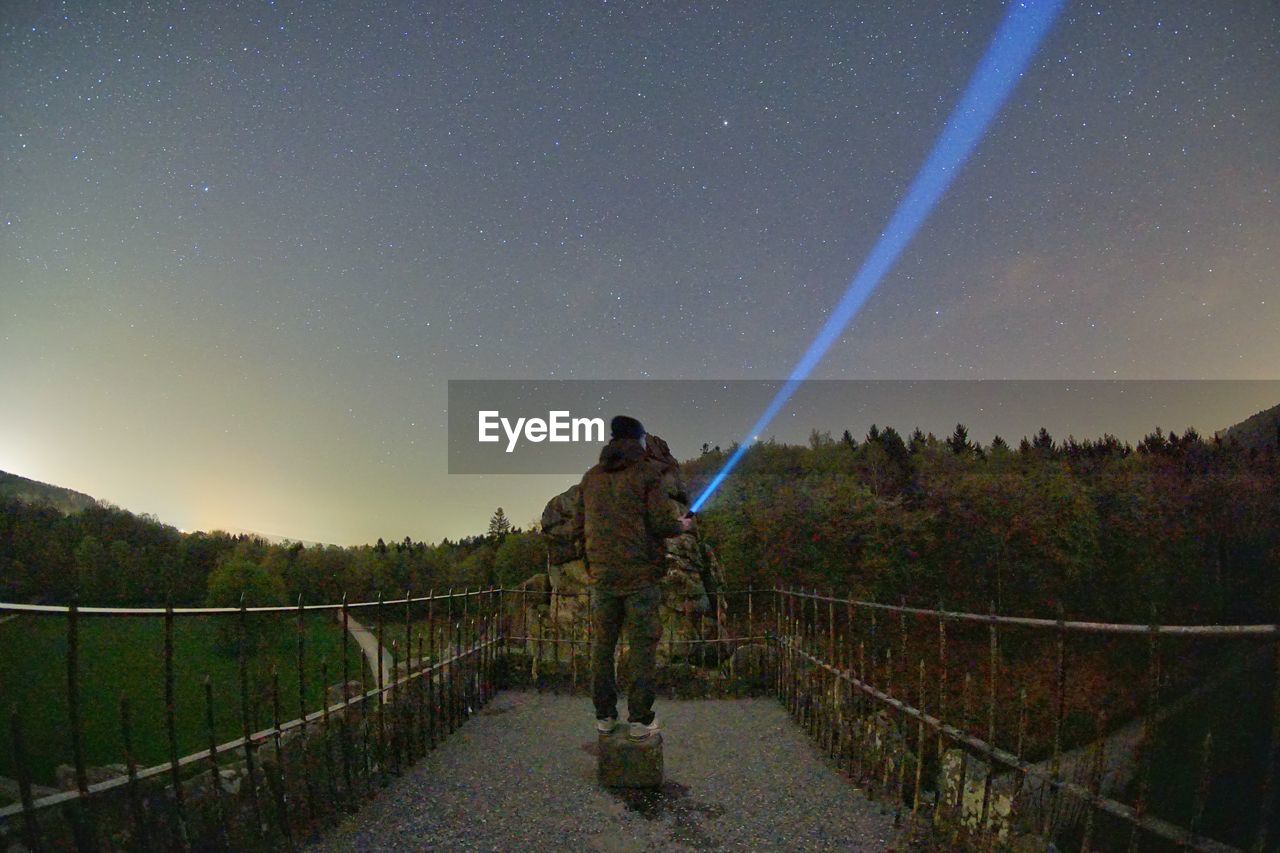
<point x="625" y="517"/>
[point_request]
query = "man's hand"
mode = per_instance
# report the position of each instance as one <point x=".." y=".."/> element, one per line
<point x="686" y="523"/>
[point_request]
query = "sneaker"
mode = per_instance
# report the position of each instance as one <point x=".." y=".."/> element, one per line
<point x="643" y="731"/>
<point x="607" y="725"/>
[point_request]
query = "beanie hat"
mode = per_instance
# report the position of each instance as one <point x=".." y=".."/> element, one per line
<point x="626" y="427"/>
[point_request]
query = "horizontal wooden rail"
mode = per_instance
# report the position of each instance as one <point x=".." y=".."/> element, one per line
<point x="256" y="739"/>
<point x="707" y="642"/>
<point x="982" y="749"/>
<point x="12" y="607"/>
<point x="819" y="632"/>
<point x="1264" y="632"/>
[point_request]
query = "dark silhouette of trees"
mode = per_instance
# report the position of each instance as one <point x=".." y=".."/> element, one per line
<point x="959" y="441"/>
<point x="1043" y="443"/>
<point x="1106" y="532"/>
<point x="1104" y="529"/>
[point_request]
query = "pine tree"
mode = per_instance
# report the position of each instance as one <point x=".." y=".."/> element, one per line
<point x="894" y="447"/>
<point x="959" y="441"/>
<point x="499" y="524"/>
<point x="1043" y="442"/>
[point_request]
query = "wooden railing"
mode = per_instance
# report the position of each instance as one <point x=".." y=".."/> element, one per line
<point x="875" y="684"/>
<point x="270" y="786"/>
<point x="925" y="708"/>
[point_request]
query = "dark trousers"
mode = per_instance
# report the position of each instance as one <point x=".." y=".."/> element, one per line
<point x="638" y="611"/>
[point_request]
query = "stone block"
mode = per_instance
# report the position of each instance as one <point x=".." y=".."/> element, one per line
<point x="624" y="763"/>
<point x="972" y="788"/>
<point x="66" y="774"/>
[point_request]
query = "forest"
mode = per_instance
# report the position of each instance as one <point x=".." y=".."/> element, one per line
<point x="1178" y="526"/>
<point x="1184" y="525"/>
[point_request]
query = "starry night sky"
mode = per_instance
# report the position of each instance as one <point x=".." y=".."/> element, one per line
<point x="243" y="246"/>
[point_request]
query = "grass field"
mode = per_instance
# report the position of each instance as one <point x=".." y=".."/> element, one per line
<point x="395" y="634"/>
<point x="125" y="656"/>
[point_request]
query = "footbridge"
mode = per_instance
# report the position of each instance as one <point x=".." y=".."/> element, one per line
<point x="794" y="719"/>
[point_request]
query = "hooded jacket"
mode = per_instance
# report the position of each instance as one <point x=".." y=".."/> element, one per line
<point x="624" y="517"/>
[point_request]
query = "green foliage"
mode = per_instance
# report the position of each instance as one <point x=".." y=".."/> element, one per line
<point x="476" y="569"/>
<point x="95" y="578"/>
<point x="105" y="556"/>
<point x="102" y="554"/>
<point x="518" y="557"/>
<point x="239" y="577"/>
<point x="1187" y="526"/>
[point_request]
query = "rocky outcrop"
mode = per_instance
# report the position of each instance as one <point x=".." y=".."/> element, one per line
<point x="335" y="693"/>
<point x="65" y="774"/>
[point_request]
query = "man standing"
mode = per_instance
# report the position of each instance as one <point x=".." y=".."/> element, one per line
<point x="625" y="517"/>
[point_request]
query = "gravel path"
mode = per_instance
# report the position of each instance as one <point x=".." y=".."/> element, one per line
<point x="521" y="775"/>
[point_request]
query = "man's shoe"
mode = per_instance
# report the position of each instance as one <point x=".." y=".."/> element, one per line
<point x="607" y="725"/>
<point x="643" y="731"/>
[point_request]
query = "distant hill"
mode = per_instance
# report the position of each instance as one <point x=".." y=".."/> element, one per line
<point x="68" y="501"/>
<point x="1261" y="431"/>
<point x="35" y="492"/>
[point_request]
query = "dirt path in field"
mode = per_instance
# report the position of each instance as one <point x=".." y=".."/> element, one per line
<point x="368" y="644"/>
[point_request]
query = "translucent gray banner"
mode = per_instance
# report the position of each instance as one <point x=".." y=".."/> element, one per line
<point x="559" y="426"/>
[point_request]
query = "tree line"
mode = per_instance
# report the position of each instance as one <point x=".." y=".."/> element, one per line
<point x="1184" y="525"/>
<point x="104" y="555"/>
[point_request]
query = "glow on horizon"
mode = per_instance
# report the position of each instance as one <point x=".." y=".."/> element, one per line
<point x="1024" y="26"/>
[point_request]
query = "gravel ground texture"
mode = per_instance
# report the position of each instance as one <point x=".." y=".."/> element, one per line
<point x="521" y="774"/>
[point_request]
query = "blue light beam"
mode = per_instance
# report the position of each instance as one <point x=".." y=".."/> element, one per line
<point x="1024" y="26"/>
